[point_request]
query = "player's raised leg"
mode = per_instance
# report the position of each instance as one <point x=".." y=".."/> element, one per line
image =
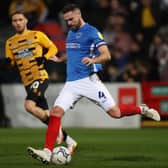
<point x="128" y="110"/>
<point x="149" y="112"/>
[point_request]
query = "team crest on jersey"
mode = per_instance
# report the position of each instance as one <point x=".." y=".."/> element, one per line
<point x="100" y="35"/>
<point x="78" y="35"/>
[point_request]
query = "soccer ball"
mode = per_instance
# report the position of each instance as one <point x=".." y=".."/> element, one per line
<point x="60" y="155"/>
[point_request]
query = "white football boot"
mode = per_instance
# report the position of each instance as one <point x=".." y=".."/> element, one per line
<point x="71" y="144"/>
<point x="60" y="136"/>
<point x="149" y="112"/>
<point x="43" y="156"/>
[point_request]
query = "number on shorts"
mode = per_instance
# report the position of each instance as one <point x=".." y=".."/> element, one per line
<point x="101" y="95"/>
<point x="35" y="85"/>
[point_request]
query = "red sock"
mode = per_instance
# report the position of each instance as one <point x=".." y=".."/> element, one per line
<point x="127" y="110"/>
<point x="52" y="132"/>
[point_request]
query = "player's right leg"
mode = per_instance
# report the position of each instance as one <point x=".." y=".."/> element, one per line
<point x="43" y="156"/>
<point x="43" y="115"/>
<point x="38" y="106"/>
<point x="52" y="132"/>
<point x="64" y="101"/>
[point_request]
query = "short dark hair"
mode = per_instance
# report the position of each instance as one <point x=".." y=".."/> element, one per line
<point x="69" y="7"/>
<point x="18" y="12"/>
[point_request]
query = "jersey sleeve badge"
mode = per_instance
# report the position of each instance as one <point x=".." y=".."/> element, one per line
<point x="100" y="35"/>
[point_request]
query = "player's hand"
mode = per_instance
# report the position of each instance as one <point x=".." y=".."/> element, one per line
<point x="40" y="60"/>
<point x="58" y="59"/>
<point x="88" y="61"/>
<point x="54" y="58"/>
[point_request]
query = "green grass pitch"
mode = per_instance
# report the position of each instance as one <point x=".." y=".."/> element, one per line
<point x="98" y="148"/>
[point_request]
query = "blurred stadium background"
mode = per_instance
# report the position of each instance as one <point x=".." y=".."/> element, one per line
<point x="136" y="32"/>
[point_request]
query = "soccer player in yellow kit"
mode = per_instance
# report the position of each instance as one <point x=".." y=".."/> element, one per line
<point x="25" y="51"/>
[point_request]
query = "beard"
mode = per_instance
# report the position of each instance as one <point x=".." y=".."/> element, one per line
<point x="75" y="27"/>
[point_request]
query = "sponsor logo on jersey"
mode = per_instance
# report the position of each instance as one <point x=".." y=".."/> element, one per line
<point x="24" y="53"/>
<point x="73" y="45"/>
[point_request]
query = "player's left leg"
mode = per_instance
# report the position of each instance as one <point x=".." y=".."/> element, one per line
<point x="97" y="92"/>
<point x="119" y="111"/>
<point x="129" y="110"/>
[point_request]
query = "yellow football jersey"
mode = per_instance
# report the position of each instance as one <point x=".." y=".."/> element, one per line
<point x="23" y="49"/>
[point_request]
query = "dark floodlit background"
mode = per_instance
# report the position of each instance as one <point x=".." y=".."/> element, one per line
<point x="136" y="32"/>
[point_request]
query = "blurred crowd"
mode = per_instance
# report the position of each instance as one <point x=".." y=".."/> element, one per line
<point x="136" y="32"/>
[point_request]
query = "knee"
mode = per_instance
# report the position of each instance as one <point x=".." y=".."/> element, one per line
<point x="57" y="111"/>
<point x="114" y="112"/>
